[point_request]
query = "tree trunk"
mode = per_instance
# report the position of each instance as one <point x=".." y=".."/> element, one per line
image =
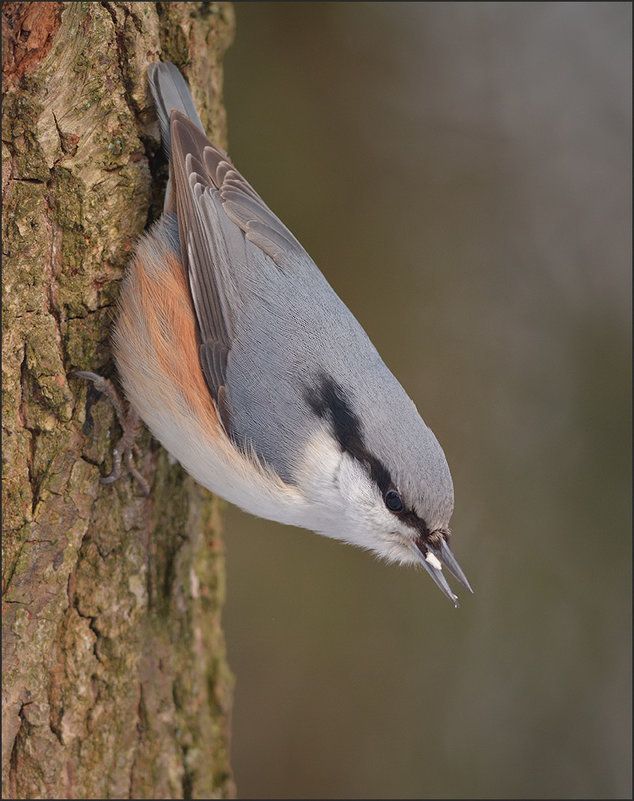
<point x="115" y="682"/>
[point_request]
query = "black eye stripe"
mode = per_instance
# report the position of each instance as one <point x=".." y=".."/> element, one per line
<point x="328" y="400"/>
<point x="410" y="518"/>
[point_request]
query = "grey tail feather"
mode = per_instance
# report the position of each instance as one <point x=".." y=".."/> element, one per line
<point x="170" y="91"/>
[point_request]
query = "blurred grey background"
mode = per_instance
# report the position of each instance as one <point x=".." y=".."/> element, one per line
<point x="461" y="172"/>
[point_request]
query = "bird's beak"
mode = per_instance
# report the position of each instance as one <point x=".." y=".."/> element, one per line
<point x="434" y="559"/>
<point x="451" y="563"/>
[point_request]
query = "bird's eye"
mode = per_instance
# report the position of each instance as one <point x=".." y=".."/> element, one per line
<point x="393" y="501"/>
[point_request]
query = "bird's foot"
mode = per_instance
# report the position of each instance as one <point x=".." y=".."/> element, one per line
<point x="130" y="422"/>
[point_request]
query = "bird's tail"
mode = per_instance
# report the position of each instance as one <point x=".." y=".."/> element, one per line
<point x="170" y="91"/>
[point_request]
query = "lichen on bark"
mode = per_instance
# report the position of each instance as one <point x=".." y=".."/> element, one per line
<point x="115" y="682"/>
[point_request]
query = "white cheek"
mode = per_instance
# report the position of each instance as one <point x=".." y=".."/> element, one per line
<point x="345" y="503"/>
<point x="317" y="474"/>
<point x="363" y="500"/>
<point x="356" y="488"/>
<point x="374" y="526"/>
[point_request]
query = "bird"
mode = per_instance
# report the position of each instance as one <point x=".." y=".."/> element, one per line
<point x="235" y="351"/>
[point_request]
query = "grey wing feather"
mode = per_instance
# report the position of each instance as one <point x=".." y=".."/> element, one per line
<point x="250" y="213"/>
<point x="213" y="360"/>
<point x="170" y="91"/>
<point x="216" y="210"/>
<point x="203" y="249"/>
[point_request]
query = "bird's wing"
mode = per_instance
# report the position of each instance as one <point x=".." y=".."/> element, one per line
<point x="269" y="323"/>
<point x="216" y="209"/>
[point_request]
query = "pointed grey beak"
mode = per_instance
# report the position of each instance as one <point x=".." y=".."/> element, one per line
<point x="451" y="563"/>
<point x="433" y="561"/>
<point x="437" y="575"/>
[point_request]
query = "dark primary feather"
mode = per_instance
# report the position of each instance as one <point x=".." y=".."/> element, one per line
<point x="170" y="91"/>
<point x="216" y="209"/>
<point x="203" y="230"/>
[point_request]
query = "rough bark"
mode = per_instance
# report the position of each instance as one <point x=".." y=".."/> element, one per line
<point x="115" y="682"/>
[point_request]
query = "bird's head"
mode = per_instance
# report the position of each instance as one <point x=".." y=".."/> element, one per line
<point x="382" y="482"/>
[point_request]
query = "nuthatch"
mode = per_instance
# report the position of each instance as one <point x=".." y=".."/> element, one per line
<point x="238" y="355"/>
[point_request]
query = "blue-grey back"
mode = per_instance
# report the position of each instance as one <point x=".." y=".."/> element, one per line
<point x="292" y="332"/>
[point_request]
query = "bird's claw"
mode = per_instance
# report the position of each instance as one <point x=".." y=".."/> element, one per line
<point x="130" y="422"/>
